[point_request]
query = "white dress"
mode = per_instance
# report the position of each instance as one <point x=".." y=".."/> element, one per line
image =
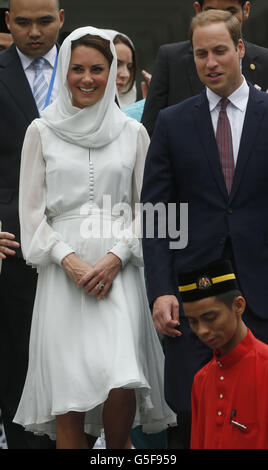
<point x="81" y="347"/>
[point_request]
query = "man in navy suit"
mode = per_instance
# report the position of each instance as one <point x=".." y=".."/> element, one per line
<point x="184" y="166"/>
<point x="174" y="77"/>
<point x="35" y="26"/>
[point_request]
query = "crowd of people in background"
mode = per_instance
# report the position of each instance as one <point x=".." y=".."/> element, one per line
<point x="103" y="328"/>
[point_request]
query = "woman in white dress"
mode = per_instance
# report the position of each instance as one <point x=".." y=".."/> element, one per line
<point x="95" y="360"/>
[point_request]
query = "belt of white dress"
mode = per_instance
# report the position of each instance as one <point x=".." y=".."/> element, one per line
<point x="84" y="214"/>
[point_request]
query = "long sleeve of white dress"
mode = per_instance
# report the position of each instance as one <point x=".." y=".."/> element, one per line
<point x="41" y="244"/>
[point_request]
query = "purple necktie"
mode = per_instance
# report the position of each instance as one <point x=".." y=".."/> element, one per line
<point x="225" y="145"/>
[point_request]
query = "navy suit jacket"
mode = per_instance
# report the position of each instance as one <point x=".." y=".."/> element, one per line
<point x="18" y="110"/>
<point x="183" y="166"/>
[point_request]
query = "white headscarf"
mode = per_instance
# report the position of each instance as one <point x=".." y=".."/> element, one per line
<point x="130" y="97"/>
<point x="93" y="126"/>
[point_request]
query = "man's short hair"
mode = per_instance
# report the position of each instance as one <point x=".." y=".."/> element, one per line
<point x="58" y="2"/>
<point x="228" y="297"/>
<point x="218" y="16"/>
<point x="242" y="2"/>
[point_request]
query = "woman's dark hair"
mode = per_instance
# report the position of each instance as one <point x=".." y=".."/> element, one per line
<point x="120" y="39"/>
<point x="102" y="45"/>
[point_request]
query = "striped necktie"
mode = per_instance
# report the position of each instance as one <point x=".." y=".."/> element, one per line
<point x="40" y="86"/>
<point x="225" y="145"/>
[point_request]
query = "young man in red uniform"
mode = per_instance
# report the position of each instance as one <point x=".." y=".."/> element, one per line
<point x="229" y="394"/>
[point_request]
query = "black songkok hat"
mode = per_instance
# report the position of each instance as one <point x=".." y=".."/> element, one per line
<point x="208" y="281"/>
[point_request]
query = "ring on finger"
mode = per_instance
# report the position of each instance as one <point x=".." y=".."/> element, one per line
<point x="101" y="286"/>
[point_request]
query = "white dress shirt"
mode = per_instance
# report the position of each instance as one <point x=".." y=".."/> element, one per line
<point x="50" y="57"/>
<point x="236" y="111"/>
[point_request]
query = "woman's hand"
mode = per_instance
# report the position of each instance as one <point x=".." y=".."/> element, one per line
<point x="75" y="267"/>
<point x="99" y="280"/>
<point x="7" y="243"/>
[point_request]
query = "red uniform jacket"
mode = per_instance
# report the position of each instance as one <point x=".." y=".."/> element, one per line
<point x="230" y="399"/>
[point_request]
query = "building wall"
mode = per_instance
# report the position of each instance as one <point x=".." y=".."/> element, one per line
<point x="151" y="23"/>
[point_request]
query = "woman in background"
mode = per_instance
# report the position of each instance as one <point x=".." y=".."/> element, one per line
<point x="126" y="76"/>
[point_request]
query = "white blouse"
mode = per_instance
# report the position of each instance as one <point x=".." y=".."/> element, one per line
<point x="58" y="179"/>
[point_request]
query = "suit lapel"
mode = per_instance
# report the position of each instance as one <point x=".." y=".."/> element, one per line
<point x="247" y="64"/>
<point x="205" y="130"/>
<point x="253" y="118"/>
<point x="13" y="77"/>
<point x="252" y="67"/>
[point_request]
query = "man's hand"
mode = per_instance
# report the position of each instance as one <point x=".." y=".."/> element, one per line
<point x="166" y="315"/>
<point x="5" y="41"/>
<point x="145" y="84"/>
<point x="7" y="242"/>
